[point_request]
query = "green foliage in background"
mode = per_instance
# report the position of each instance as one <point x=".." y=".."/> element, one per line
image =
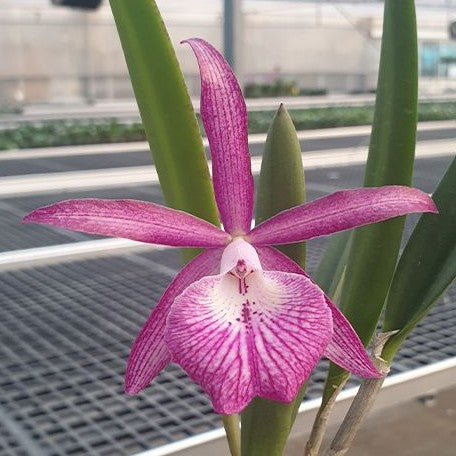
<point x="279" y="87"/>
<point x="95" y="131"/>
<point x="70" y="133"/>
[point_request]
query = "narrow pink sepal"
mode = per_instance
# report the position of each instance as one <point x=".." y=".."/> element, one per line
<point x="131" y="219"/>
<point x="149" y="353"/>
<point x="224" y="117"/>
<point x="345" y="348"/>
<point x="340" y="211"/>
<point x="263" y="341"/>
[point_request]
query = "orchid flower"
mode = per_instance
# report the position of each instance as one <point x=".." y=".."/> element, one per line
<point x="242" y="319"/>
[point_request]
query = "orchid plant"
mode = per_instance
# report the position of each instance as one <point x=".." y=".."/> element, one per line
<point x="242" y="319"/>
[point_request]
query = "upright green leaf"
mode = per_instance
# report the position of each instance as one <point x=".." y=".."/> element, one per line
<point x="281" y="183"/>
<point x="374" y="249"/>
<point x="165" y="107"/>
<point x="333" y="262"/>
<point x="426" y="268"/>
<point x="266" y="424"/>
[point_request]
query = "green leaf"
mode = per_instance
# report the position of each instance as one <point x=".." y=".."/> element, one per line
<point x="266" y="424"/>
<point x="333" y="262"/>
<point x="281" y="184"/>
<point x="165" y="108"/>
<point x="374" y="249"/>
<point x="426" y="268"/>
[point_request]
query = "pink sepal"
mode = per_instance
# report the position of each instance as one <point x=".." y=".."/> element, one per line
<point x="149" y="353"/>
<point x="338" y="212"/>
<point x="345" y="348"/>
<point x="131" y="219"/>
<point x="224" y="117"/>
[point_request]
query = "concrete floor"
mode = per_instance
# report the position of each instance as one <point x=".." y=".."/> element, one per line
<point x="423" y="427"/>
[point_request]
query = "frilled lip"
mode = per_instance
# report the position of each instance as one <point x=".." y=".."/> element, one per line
<point x="258" y="333"/>
<point x="237" y="342"/>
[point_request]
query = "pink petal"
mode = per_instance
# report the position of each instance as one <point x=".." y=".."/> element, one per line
<point x="340" y="211"/>
<point x="131" y="219"/>
<point x="149" y="353"/>
<point x="345" y="348"/>
<point x="225" y="120"/>
<point x="261" y="341"/>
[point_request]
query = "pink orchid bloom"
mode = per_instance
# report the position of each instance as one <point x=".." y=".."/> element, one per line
<point x="242" y="319"/>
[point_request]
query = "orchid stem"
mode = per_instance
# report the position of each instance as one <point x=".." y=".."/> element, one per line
<point x="233" y="433"/>
<point x="321" y="423"/>
<point x="363" y="401"/>
<point x="359" y="408"/>
<point x="321" y="420"/>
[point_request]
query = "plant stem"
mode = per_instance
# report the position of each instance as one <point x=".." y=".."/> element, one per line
<point x="361" y="405"/>
<point x="363" y="401"/>
<point x="233" y="433"/>
<point x="328" y="400"/>
<point x="321" y="423"/>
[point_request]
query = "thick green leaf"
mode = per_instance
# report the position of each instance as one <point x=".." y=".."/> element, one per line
<point x="374" y="249"/>
<point x="165" y="107"/>
<point x="267" y="424"/>
<point x="332" y="265"/>
<point x="426" y="268"/>
<point x="281" y="183"/>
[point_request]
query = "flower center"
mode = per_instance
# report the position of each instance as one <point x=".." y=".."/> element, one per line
<point x="240" y="259"/>
<point x="241" y="272"/>
<point x="241" y="269"/>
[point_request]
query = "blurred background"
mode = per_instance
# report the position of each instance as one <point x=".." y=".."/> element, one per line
<point x="56" y="54"/>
